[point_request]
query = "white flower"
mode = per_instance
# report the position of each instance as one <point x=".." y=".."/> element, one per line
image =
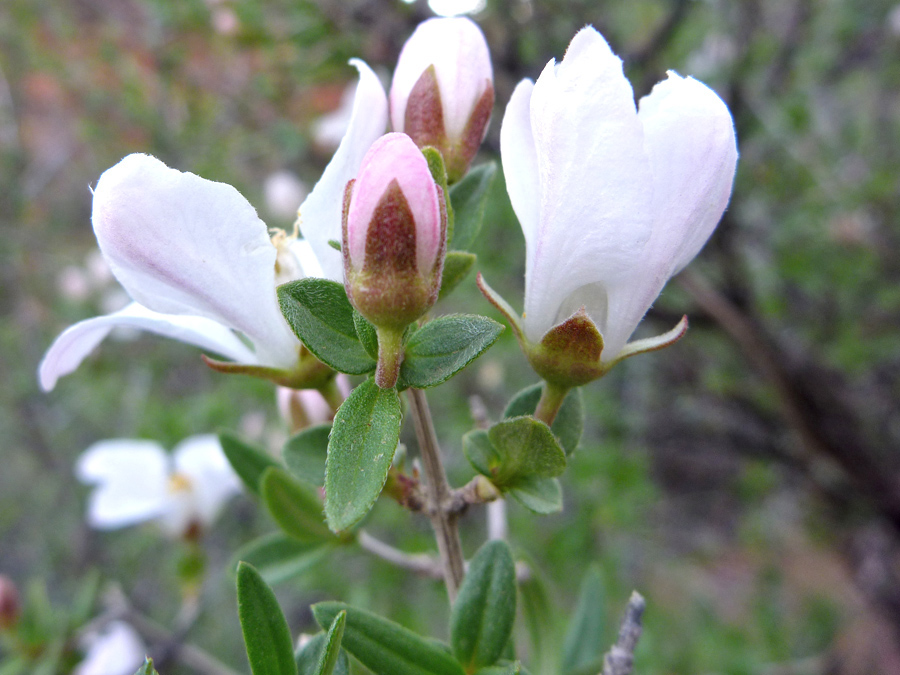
<point x="138" y="481"/>
<point x="612" y="200"/>
<point x="198" y="262"/>
<point x="115" y="650"/>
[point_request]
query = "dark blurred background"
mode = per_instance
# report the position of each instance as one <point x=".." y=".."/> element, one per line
<point x="747" y="480"/>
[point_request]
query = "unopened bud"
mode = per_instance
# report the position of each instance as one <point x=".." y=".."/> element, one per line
<point x="394" y="240"/>
<point x="442" y="93"/>
<point x="10" y="605"/>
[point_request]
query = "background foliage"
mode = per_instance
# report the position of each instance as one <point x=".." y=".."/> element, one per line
<point x="745" y="480"/>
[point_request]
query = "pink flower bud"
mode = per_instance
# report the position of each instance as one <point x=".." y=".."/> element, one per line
<point x="394" y="234"/>
<point x="443" y="92"/>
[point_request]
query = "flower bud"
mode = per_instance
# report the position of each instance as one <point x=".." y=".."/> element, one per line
<point x="394" y="238"/>
<point x="10" y="605"/>
<point x="443" y="92"/>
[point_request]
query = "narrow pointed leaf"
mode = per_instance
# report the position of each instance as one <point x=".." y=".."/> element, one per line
<point x="583" y="644"/>
<point x="482" y="618"/>
<point x="363" y="440"/>
<point x="385" y="647"/>
<point x="321" y="316"/>
<point x="147" y="668"/>
<point x="295" y="506"/>
<point x="366" y="333"/>
<point x="310" y="654"/>
<point x="541" y="621"/>
<point x="443" y="347"/>
<point x="469" y="198"/>
<point x="457" y="265"/>
<point x="278" y="557"/>
<point x="332" y="650"/>
<point x="248" y="461"/>
<point x="305" y="452"/>
<point x="569" y="423"/>
<point x="266" y="633"/>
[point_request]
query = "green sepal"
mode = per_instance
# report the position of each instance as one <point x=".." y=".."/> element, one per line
<point x="295" y="506"/>
<point x="514" y="450"/>
<point x="309" y="655"/>
<point x="444" y="346"/>
<point x="385" y="647"/>
<point x="457" y="265"/>
<point x="583" y="644"/>
<point x="439" y="173"/>
<point x="266" y="633"/>
<point x="367" y="334"/>
<point x="482" y="618"/>
<point x="147" y="668"/>
<point x="335" y="244"/>
<point x="305" y="452"/>
<point x="278" y="557"/>
<point x="541" y="495"/>
<point x="363" y="440"/>
<point x="469" y="198"/>
<point x="321" y="316"/>
<point x="569" y="422"/>
<point x="248" y="461"/>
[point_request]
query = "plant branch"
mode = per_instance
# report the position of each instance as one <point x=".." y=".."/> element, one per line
<point x="438" y="494"/>
<point x="619" y="660"/>
<point x="419" y="563"/>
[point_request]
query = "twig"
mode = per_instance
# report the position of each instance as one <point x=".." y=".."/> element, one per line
<point x="420" y="563"/>
<point x="496" y="520"/>
<point x="619" y="660"/>
<point x="439" y="494"/>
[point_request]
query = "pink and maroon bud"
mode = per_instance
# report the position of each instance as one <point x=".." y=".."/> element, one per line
<point x="442" y="93"/>
<point x="10" y="605"/>
<point x="394" y="240"/>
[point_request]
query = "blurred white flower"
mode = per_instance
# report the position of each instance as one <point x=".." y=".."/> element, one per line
<point x="456" y="7"/>
<point x="137" y="481"/>
<point x="117" y="649"/>
<point x="284" y="193"/>
<point x="328" y="131"/>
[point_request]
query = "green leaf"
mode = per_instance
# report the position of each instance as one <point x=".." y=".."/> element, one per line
<point x="439" y="173"/>
<point x="384" y="647"/>
<point x="469" y="198"/>
<point x="278" y="557"/>
<point x="320" y="315"/>
<point x="457" y="264"/>
<point x="541" y="495"/>
<point x="295" y="506"/>
<point x="248" y="462"/>
<point x="541" y="622"/>
<point x="309" y="655"/>
<point x="363" y="441"/>
<point x="515" y="450"/>
<point x="482" y="618"/>
<point x="569" y="422"/>
<point x="147" y="668"/>
<point x="444" y="346"/>
<point x="332" y="650"/>
<point x="367" y="334"/>
<point x="266" y="633"/>
<point x="305" y="452"/>
<point x="514" y="668"/>
<point x="583" y="644"/>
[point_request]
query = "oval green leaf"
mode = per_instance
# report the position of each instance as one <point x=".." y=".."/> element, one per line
<point x="248" y="461"/>
<point x="569" y="422"/>
<point x="295" y="506"/>
<point x="305" y="452"/>
<point x="266" y="633"/>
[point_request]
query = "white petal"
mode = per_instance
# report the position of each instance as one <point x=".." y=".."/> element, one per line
<point x="320" y="213"/>
<point x="595" y="182"/>
<point x="689" y="139"/>
<point x="131" y="478"/>
<point x="520" y="160"/>
<point x="183" y="245"/>
<point x="117" y="650"/>
<point x="213" y="481"/>
<point x="76" y="342"/>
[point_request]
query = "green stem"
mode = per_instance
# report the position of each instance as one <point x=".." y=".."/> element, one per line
<point x="552" y="398"/>
<point x="332" y="394"/>
<point x="390" y="356"/>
